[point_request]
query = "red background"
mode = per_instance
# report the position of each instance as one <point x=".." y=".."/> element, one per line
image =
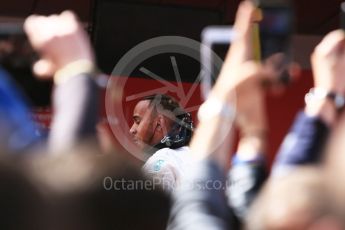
<point x="281" y="108"/>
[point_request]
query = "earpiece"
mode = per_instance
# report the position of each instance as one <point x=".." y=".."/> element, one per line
<point x="180" y="134"/>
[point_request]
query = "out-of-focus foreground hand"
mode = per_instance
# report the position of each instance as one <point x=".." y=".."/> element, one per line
<point x="328" y="62"/>
<point x="245" y="75"/>
<point x="240" y="74"/>
<point x="239" y="66"/>
<point x="60" y="40"/>
<point x="328" y="65"/>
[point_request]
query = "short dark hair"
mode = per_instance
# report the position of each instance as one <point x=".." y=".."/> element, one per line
<point x="182" y="130"/>
<point x="167" y="102"/>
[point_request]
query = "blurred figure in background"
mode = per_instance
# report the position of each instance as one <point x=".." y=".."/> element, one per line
<point x="295" y="201"/>
<point x="66" y="54"/>
<point x="334" y="168"/>
<point x="83" y="189"/>
<point x="18" y="131"/>
<point x="298" y="166"/>
<point x="22" y="204"/>
<point x="333" y="54"/>
<point x="201" y="202"/>
<point x="77" y="188"/>
<point x="202" y="206"/>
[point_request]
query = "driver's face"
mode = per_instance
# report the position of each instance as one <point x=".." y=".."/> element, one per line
<point x="143" y="128"/>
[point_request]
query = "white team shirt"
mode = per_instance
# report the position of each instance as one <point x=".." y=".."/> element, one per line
<point x="168" y="166"/>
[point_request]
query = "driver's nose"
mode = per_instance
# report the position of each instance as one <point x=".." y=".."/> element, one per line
<point x="133" y="129"/>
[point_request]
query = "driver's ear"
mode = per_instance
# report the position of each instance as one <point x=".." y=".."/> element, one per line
<point x="161" y="124"/>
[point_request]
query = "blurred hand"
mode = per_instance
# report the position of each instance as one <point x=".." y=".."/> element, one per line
<point x="238" y="65"/>
<point x="60" y="39"/>
<point x="328" y="63"/>
<point x="242" y="74"/>
<point x="240" y="68"/>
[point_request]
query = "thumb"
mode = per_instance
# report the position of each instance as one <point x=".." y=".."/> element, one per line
<point x="44" y="68"/>
<point x="331" y="43"/>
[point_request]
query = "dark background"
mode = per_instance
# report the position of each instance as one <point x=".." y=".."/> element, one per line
<point x="117" y="26"/>
<point x="313" y="16"/>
